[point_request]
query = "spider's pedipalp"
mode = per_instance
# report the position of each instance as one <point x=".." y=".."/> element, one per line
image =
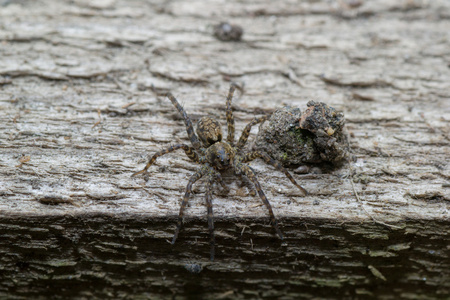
<point x="199" y="174"/>
<point x="187" y="121"/>
<point x="246" y="131"/>
<point x="190" y="152"/>
<point x="244" y="168"/>
<point x="269" y="160"/>
<point x="219" y="179"/>
<point x="230" y="118"/>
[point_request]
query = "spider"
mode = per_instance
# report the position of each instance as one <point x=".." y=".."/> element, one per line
<point x="215" y="156"/>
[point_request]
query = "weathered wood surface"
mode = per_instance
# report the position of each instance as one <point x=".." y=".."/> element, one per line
<point x="81" y="107"/>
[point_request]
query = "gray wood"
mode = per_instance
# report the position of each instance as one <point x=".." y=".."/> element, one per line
<point x="82" y="107"/>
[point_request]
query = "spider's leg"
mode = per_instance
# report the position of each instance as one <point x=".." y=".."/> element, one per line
<point x="246" y="132"/>
<point x="219" y="179"/>
<point x="190" y="152"/>
<point x="251" y="175"/>
<point x="199" y="174"/>
<point x="209" y="208"/>
<point x="269" y="160"/>
<point x="230" y="118"/>
<point x="189" y="128"/>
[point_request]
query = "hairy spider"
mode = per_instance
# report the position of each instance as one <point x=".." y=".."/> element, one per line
<point x="216" y="156"/>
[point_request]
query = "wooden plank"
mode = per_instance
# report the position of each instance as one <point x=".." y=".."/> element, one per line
<point x="82" y="106"/>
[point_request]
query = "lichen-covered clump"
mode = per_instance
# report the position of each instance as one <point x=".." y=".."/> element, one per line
<point x="314" y="136"/>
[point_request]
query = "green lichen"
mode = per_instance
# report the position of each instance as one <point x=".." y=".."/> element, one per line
<point x="303" y="137"/>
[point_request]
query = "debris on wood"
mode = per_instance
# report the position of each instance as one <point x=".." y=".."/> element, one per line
<point x="376" y="273"/>
<point x="314" y="136"/>
<point x="228" y="32"/>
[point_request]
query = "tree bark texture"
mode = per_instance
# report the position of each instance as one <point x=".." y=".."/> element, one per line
<point x="82" y="106"/>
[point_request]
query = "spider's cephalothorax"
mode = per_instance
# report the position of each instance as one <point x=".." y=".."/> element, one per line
<point x="215" y="156"/>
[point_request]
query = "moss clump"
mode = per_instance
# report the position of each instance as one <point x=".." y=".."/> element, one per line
<point x="314" y="136"/>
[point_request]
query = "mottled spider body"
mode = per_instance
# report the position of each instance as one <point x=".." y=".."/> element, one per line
<point x="216" y="156"/>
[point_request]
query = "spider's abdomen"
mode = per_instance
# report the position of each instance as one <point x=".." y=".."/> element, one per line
<point x="209" y="131"/>
<point x="220" y="155"/>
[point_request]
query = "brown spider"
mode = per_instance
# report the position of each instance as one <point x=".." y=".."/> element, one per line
<point x="215" y="156"/>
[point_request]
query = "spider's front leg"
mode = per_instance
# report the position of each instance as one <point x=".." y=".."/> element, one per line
<point x="213" y="176"/>
<point x="187" y="121"/>
<point x="269" y="160"/>
<point x="245" y="169"/>
<point x="190" y="152"/>
<point x="230" y="118"/>
<point x="208" y="198"/>
<point x="246" y="131"/>
<point x="199" y="174"/>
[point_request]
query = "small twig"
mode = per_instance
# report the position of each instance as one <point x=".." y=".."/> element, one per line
<point x="243" y="229"/>
<point x="434" y="129"/>
<point x="125" y="106"/>
<point x="100" y="118"/>
<point x="118" y="84"/>
<point x="372" y="217"/>
<point x="376" y="273"/>
<point x="23" y="160"/>
<point x="438" y="143"/>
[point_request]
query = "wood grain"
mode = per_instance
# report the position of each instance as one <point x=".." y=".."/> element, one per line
<point x="82" y="107"/>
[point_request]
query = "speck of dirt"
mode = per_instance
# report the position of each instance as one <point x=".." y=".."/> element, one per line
<point x="193" y="268"/>
<point x="228" y="32"/>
